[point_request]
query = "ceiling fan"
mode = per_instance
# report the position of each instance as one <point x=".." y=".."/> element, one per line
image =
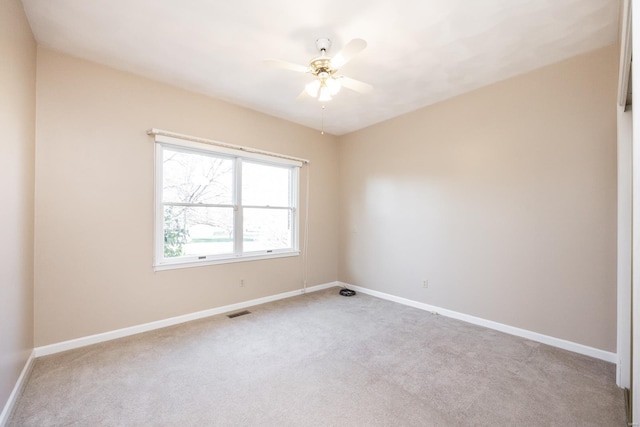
<point x="327" y="82"/>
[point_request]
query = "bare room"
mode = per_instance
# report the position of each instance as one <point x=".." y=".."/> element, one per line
<point x="367" y="213"/>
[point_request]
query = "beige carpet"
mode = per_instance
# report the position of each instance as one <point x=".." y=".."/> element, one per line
<point x="321" y="359"/>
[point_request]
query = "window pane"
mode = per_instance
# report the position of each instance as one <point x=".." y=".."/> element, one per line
<point x="265" y="185"/>
<point x="197" y="231"/>
<point x="266" y="229"/>
<point x="196" y="178"/>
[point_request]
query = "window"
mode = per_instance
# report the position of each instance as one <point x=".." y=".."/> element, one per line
<point x="216" y="204"/>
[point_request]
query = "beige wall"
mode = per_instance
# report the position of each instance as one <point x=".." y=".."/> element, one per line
<point x="17" y="127"/>
<point x="503" y="198"/>
<point x="94" y="201"/>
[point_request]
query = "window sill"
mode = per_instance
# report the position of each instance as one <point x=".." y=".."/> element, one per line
<point x="202" y="263"/>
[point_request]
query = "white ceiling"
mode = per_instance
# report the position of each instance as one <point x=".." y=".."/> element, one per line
<point x="419" y="51"/>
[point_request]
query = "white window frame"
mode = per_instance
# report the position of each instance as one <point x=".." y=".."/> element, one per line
<point x="238" y="155"/>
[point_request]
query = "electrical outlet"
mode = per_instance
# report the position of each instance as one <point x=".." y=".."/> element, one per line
<point x="242" y="283"/>
<point x="425" y="283"/>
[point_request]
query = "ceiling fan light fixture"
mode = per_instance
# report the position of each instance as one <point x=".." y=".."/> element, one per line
<point x="333" y="85"/>
<point x="313" y="87"/>
<point x="325" y="94"/>
<point x="327" y="83"/>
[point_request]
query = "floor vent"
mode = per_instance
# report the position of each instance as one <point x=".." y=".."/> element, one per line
<point x="238" y="314"/>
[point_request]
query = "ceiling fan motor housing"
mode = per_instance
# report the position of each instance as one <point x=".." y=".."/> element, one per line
<point x="321" y="66"/>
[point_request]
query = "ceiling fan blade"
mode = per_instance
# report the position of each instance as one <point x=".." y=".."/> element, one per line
<point x="303" y="95"/>
<point x="355" y="85"/>
<point x="276" y="63"/>
<point x="349" y="50"/>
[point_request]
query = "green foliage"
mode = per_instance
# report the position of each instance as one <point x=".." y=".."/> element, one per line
<point x="175" y="235"/>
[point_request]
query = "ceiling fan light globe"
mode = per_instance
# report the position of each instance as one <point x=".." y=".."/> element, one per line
<point x="312" y="88"/>
<point x="333" y="85"/>
<point x="325" y="94"/>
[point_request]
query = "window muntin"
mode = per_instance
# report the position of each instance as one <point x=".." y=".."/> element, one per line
<point x="215" y="207"/>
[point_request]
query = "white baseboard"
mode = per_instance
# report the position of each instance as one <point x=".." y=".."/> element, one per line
<point x="17" y="389"/>
<point x="534" y="336"/>
<point x="119" y="333"/>
<point x="132" y="330"/>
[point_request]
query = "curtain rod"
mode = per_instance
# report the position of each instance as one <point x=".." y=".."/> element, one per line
<point x="154" y="131"/>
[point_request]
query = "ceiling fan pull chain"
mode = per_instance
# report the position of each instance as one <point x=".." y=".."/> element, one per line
<point x="322" y="122"/>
